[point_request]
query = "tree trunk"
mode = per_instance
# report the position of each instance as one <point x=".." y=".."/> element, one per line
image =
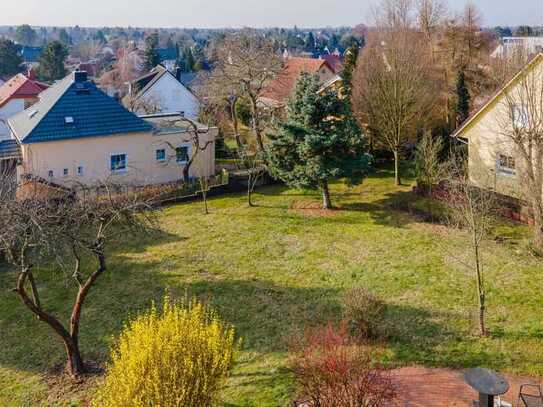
<point x="249" y="189"/>
<point x="397" y="179"/>
<point x="326" y="203"/>
<point x="480" y="287"/>
<point x="256" y="123"/>
<point x="538" y="233"/>
<point x="235" y="126"/>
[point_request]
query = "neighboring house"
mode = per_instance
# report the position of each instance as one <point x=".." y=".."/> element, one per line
<point x="493" y="161"/>
<point x="281" y="88"/>
<point x="31" y="56"/>
<point x="168" y="58"/>
<point x="161" y="92"/>
<point x="508" y="45"/>
<point x="17" y="94"/>
<point x="334" y="61"/>
<point x="76" y="134"/>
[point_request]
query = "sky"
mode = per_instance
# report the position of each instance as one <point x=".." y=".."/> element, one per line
<point x="234" y="13"/>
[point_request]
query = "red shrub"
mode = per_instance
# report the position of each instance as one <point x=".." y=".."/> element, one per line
<point x="334" y="371"/>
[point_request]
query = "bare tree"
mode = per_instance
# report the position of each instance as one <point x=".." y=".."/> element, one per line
<point x="474" y="210"/>
<point x="520" y="127"/>
<point x="140" y="104"/>
<point x="430" y="15"/>
<point x="74" y="232"/>
<point x="393" y="88"/>
<point x="245" y="63"/>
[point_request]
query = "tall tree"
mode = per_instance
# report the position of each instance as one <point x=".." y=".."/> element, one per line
<point x="151" y="56"/>
<point x="64" y="37"/>
<point x="247" y="60"/>
<point x="25" y="35"/>
<point x="393" y="91"/>
<point x="52" y="60"/>
<point x="10" y="60"/>
<point x="349" y="66"/>
<point x="463" y="98"/>
<point x="320" y="141"/>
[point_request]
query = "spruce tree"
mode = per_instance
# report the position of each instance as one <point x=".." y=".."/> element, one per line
<point x="151" y="56"/>
<point x="52" y="60"/>
<point x="10" y="60"/>
<point x="463" y="98"/>
<point x="319" y="141"/>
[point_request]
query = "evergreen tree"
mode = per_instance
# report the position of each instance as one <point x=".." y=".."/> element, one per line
<point x="351" y="57"/>
<point x="10" y="60"/>
<point x="463" y="98"/>
<point x="51" y="66"/>
<point x="309" y="42"/>
<point x="151" y="56"/>
<point x="189" y="60"/>
<point x="319" y="141"/>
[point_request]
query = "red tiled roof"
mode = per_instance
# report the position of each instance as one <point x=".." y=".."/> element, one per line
<point x="335" y="62"/>
<point x="281" y="87"/>
<point x="20" y="87"/>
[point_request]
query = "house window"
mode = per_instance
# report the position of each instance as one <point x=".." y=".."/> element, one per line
<point x="520" y="116"/>
<point x="65" y="172"/>
<point x="50" y="173"/>
<point x="161" y="155"/>
<point x="79" y="171"/>
<point x="182" y="154"/>
<point x="118" y="163"/>
<point x="506" y="165"/>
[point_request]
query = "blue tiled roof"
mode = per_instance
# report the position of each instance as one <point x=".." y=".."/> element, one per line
<point x="9" y="149"/>
<point x="74" y="109"/>
<point x="31" y="54"/>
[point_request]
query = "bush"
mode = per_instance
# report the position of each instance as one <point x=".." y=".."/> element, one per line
<point x="363" y="311"/>
<point x="333" y="371"/>
<point x="177" y="356"/>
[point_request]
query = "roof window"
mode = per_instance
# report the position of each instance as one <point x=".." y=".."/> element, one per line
<point x="69" y="120"/>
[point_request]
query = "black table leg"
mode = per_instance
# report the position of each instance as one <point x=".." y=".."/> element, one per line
<point x="486" y="400"/>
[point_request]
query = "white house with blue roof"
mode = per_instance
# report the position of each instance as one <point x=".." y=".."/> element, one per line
<point x="76" y="134"/>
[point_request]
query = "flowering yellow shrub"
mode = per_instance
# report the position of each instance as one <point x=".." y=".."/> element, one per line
<point x="177" y="356"/>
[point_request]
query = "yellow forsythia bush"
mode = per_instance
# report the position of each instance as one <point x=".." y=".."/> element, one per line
<point x="177" y="356"/>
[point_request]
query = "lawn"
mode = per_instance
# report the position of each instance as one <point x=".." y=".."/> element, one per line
<point x="274" y="269"/>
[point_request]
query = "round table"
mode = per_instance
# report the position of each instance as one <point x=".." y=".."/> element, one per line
<point x="487" y="383"/>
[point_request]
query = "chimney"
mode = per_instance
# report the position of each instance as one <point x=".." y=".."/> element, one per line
<point x="31" y="74"/>
<point x="80" y="76"/>
<point x="178" y="72"/>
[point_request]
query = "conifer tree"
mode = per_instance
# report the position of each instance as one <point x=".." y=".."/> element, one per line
<point x="10" y="60"/>
<point x="152" y="57"/>
<point x="320" y="141"/>
<point x="351" y="56"/>
<point x="463" y="98"/>
<point x="52" y="60"/>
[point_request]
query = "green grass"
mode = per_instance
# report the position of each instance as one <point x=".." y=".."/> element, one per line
<point x="272" y="271"/>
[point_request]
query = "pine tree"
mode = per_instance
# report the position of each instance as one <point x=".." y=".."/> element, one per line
<point x="151" y="56"/>
<point x="463" y="98"/>
<point x="189" y="60"/>
<point x="52" y="60"/>
<point x="320" y="141"/>
<point x="10" y="60"/>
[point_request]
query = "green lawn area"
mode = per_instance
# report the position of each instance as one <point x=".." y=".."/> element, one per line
<point x="272" y="270"/>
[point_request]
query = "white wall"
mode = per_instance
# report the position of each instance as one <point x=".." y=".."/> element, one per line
<point x="171" y="96"/>
<point x="94" y="153"/>
<point x="11" y="108"/>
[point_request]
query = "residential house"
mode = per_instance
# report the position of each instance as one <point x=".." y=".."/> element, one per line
<point x="77" y="135"/>
<point x="168" y="58"/>
<point x="17" y="94"/>
<point x="334" y="61"/>
<point x="493" y="160"/>
<point x="31" y="56"/>
<point x="281" y="88"/>
<point x="160" y="91"/>
<point x="509" y="45"/>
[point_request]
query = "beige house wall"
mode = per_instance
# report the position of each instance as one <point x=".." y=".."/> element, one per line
<point x="94" y="154"/>
<point x="486" y="141"/>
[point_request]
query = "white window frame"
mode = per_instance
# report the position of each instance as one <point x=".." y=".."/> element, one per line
<point x="188" y="146"/>
<point x="50" y="173"/>
<point x="122" y="170"/>
<point x="80" y="170"/>
<point x="65" y="172"/>
<point x="156" y="154"/>
<point x="520" y="116"/>
<point x="503" y="170"/>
